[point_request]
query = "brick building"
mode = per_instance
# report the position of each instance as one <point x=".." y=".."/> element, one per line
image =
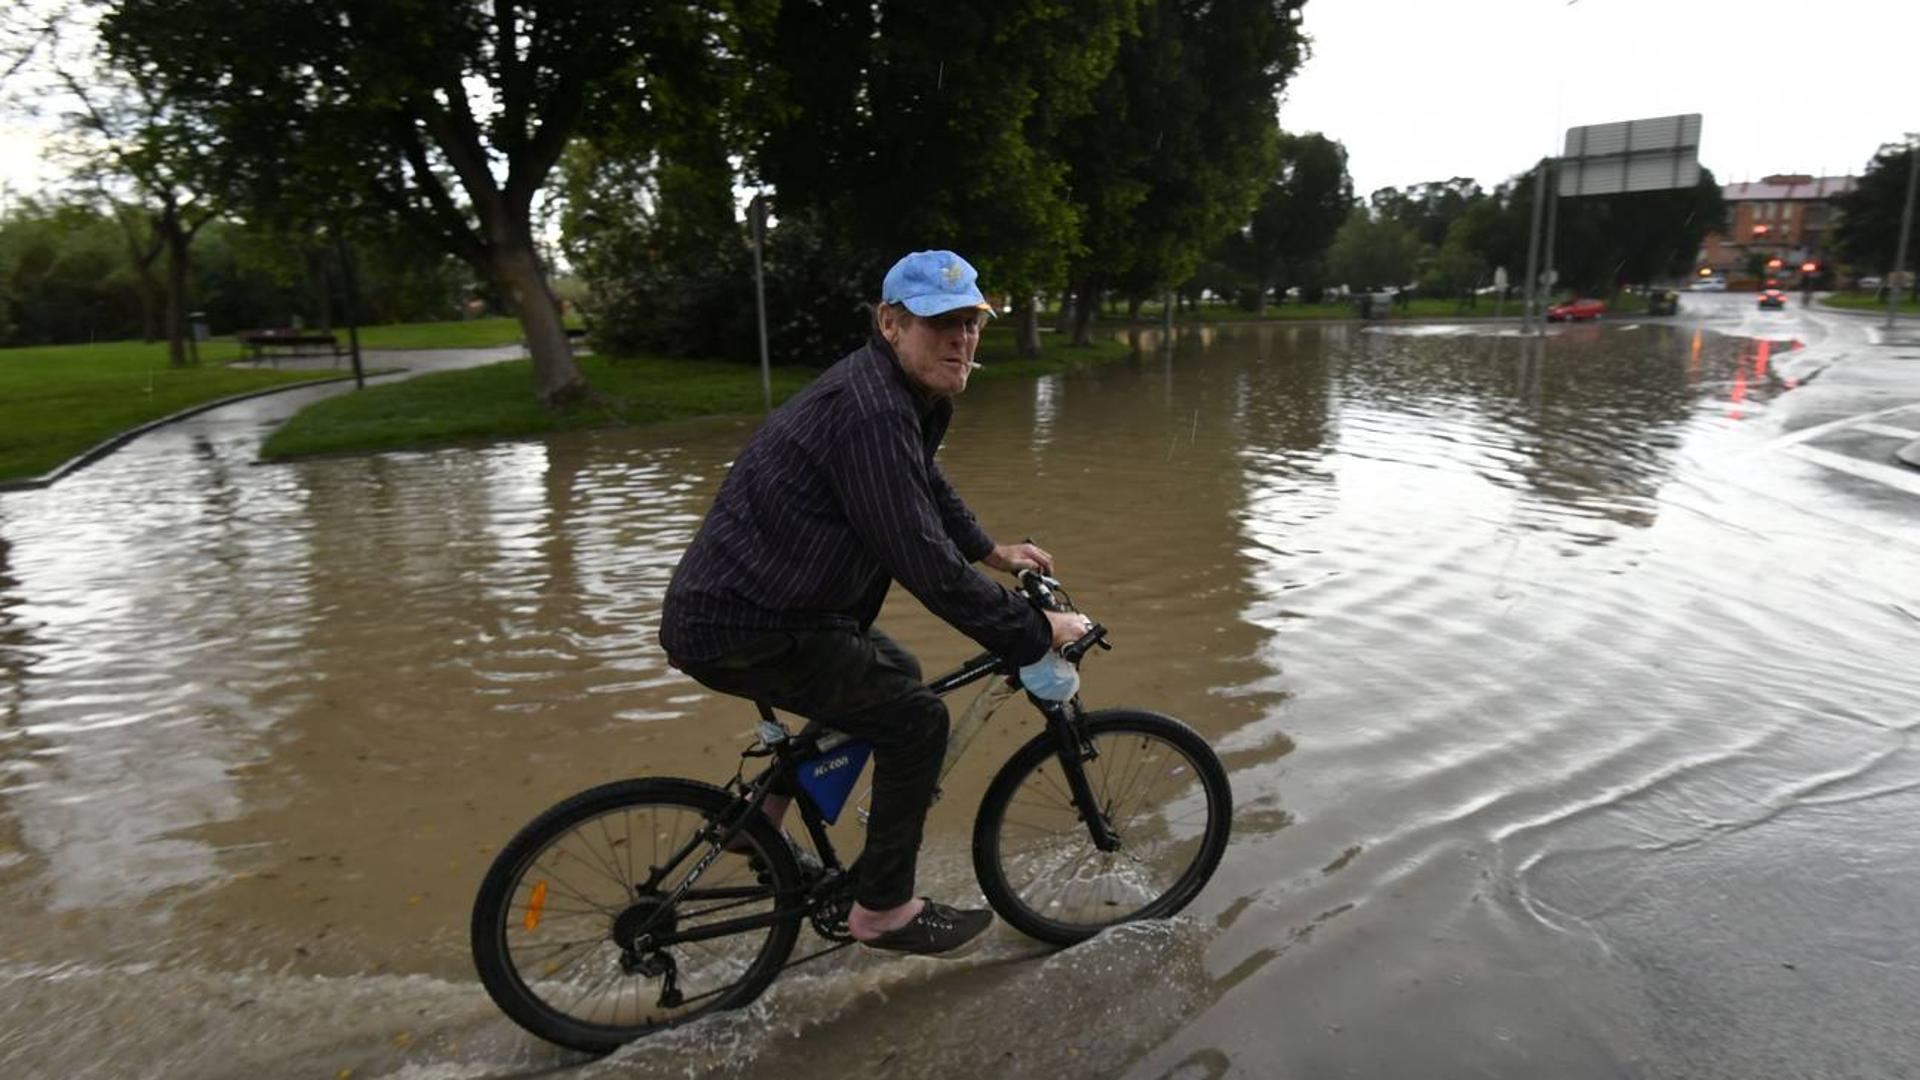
<point x="1787" y="217"/>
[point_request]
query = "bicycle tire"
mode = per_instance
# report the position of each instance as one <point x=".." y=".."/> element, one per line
<point x="1009" y="869"/>
<point x="512" y="906"/>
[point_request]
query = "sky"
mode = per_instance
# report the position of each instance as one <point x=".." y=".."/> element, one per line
<point x="1423" y="90"/>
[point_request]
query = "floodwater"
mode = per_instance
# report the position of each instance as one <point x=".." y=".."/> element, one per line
<point x="1568" y="736"/>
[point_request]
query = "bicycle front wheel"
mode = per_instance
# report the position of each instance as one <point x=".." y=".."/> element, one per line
<point x="568" y="923"/>
<point x="1161" y="789"/>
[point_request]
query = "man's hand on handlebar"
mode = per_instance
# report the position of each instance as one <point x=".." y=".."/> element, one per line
<point x="1068" y="626"/>
<point x="1011" y="558"/>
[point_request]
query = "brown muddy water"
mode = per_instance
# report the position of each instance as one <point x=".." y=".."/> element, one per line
<point x="1568" y="738"/>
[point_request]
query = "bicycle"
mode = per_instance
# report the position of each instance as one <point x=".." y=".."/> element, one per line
<point x="641" y="904"/>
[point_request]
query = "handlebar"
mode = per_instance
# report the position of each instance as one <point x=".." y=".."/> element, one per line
<point x="1040" y="589"/>
<point x="1074" y="650"/>
<point x="1047" y="594"/>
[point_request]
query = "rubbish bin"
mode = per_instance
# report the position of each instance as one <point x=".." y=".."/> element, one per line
<point x="198" y="321"/>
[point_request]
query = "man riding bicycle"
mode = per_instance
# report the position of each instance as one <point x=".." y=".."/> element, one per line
<point x="836" y="497"/>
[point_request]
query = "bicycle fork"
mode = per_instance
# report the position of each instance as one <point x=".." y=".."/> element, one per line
<point x="1073" y="752"/>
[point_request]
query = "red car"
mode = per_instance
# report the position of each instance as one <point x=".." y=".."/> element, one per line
<point x="1575" y="310"/>
<point x="1773" y="298"/>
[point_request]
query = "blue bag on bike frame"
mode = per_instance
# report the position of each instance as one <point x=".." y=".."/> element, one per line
<point x="828" y="779"/>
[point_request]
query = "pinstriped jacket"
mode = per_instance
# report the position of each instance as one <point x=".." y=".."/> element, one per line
<point x="833" y="499"/>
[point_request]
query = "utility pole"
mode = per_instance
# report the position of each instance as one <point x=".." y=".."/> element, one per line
<point x="1906" y="226"/>
<point x="1533" y="245"/>
<point x="1550" y="275"/>
<point x="757" y="214"/>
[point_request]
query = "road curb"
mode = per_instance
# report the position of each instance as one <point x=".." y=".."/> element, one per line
<point x="107" y="446"/>
<point x="1862" y="313"/>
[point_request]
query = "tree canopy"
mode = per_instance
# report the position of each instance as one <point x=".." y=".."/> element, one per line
<point x="906" y="126"/>
<point x="1869" y="228"/>
<point x="1182" y="137"/>
<point x="451" y="116"/>
<point x="1298" y="214"/>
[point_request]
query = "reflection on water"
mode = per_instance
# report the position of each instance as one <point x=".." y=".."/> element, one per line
<point x="1460" y="609"/>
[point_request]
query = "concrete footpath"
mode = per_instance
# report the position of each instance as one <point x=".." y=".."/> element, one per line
<point x="264" y="410"/>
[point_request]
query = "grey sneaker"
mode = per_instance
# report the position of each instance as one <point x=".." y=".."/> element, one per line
<point x="938" y="930"/>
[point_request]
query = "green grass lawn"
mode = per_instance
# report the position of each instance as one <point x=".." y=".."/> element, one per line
<point x="496" y="401"/>
<point x="58" y="400"/>
<point x="1869" y="302"/>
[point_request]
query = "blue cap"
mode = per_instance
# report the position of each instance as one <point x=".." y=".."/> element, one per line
<point x="930" y="282"/>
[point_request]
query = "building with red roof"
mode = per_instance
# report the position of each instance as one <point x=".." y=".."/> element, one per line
<point x="1788" y="217"/>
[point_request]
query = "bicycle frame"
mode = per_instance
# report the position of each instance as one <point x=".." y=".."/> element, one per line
<point x="790" y="750"/>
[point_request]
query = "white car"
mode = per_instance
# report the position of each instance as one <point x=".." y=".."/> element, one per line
<point x="1709" y="285"/>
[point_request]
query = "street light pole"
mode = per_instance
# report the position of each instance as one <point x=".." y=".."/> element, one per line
<point x="757" y="217"/>
<point x="1533" y="245"/>
<point x="1906" y="226"/>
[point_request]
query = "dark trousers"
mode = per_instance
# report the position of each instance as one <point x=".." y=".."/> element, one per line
<point x="869" y="687"/>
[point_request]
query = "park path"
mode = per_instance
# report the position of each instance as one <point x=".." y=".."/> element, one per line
<point x="235" y="432"/>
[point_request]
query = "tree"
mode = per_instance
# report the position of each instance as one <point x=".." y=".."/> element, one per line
<point x="900" y="125"/>
<point x="1428" y="209"/>
<point x="139" y="140"/>
<point x="125" y="145"/>
<point x="1868" y="232"/>
<point x="1457" y="268"/>
<point x="1181" y="138"/>
<point x="1495" y="228"/>
<point x="450" y="116"/>
<point x="1298" y="215"/>
<point x="63" y="276"/>
<point x="1371" y="253"/>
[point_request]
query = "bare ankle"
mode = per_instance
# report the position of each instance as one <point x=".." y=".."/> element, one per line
<point x="866" y="922"/>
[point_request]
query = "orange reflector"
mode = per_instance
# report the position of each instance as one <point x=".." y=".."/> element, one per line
<point x="534" y="905"/>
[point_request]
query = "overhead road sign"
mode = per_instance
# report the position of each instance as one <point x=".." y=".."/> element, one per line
<point x="1631" y="155"/>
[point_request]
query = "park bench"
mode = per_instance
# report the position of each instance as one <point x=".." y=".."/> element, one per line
<point x="275" y="343"/>
<point x="575" y="336"/>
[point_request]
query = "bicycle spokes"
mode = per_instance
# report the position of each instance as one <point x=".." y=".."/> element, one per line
<point x="598" y="924"/>
<point x="1151" y="817"/>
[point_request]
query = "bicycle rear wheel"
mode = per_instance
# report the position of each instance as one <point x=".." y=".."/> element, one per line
<point x="1162" y="790"/>
<point x="563" y="920"/>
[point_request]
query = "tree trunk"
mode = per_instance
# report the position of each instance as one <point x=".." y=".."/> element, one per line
<point x="149" y="291"/>
<point x="319" y="294"/>
<point x="556" y="377"/>
<point x="143" y="247"/>
<point x="1083" y="304"/>
<point x="1063" y="319"/>
<point x="1028" y="331"/>
<point x="1133" y="309"/>
<point x="1260" y="297"/>
<point x="177" y="240"/>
